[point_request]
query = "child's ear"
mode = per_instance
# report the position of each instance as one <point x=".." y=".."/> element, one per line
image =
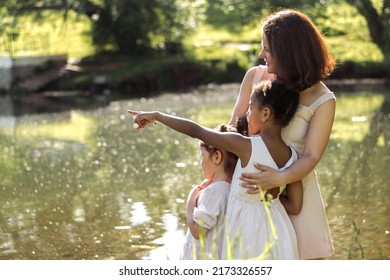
<point x="266" y="114"/>
<point x="217" y="157"/>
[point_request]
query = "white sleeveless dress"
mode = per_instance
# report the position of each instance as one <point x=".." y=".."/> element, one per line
<point x="311" y="225"/>
<point x="250" y="232"/>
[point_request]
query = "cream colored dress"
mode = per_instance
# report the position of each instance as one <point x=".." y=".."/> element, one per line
<point x="311" y="225"/>
<point x="209" y="213"/>
<point x="257" y="229"/>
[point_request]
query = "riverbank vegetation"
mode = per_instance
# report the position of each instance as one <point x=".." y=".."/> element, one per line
<point x="217" y="44"/>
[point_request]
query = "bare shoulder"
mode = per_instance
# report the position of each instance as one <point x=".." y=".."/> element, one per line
<point x="251" y="71"/>
<point x="248" y="78"/>
<point x="308" y="96"/>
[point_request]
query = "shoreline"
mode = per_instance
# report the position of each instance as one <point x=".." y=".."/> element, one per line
<point x="50" y="101"/>
<point x="357" y="82"/>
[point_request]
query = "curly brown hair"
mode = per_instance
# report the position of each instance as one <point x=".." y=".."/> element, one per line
<point x="230" y="159"/>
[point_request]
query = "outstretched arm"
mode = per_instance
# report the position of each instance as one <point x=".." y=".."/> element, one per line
<point x="231" y="142"/>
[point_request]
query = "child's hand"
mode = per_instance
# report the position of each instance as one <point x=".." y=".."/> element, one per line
<point x="204" y="184"/>
<point x="142" y="119"/>
<point x="197" y="190"/>
<point x="193" y="195"/>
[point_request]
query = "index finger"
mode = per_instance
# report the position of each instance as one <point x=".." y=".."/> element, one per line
<point x="247" y="177"/>
<point x="134" y="113"/>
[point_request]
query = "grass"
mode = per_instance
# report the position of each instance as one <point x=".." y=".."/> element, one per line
<point x="357" y="240"/>
<point x="235" y="243"/>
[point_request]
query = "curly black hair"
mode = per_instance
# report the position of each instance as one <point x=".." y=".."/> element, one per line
<point x="276" y="96"/>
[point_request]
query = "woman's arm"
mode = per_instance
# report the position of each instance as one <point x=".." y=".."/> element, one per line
<point x="196" y="229"/>
<point x="294" y="199"/>
<point x="242" y="103"/>
<point x="316" y="142"/>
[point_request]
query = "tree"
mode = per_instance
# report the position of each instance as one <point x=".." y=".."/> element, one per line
<point x="378" y="23"/>
<point x="127" y="26"/>
<point x="376" y="16"/>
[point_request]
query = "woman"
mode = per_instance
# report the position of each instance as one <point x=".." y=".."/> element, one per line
<point x="295" y="52"/>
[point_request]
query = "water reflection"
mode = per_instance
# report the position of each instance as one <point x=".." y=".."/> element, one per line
<point x="84" y="185"/>
<point x="173" y="235"/>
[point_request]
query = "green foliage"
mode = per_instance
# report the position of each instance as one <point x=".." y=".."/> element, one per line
<point x="140" y="27"/>
<point x="50" y="36"/>
<point x="126" y="26"/>
<point x="221" y="33"/>
<point x="246" y="12"/>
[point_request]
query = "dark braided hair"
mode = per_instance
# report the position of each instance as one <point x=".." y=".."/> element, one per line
<point x="241" y="125"/>
<point x="275" y="95"/>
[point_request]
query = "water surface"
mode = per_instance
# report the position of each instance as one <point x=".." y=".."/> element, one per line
<point x="82" y="184"/>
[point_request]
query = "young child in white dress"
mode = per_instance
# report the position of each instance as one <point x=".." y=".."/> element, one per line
<point x="206" y="203"/>
<point x="255" y="225"/>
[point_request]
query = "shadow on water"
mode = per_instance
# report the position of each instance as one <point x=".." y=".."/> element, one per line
<point x="358" y="201"/>
<point x="365" y="149"/>
<point x="81" y="184"/>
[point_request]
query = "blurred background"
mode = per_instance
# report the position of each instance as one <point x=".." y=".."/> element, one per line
<point x="76" y="181"/>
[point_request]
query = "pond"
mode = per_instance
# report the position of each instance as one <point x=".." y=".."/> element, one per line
<point x="82" y="184"/>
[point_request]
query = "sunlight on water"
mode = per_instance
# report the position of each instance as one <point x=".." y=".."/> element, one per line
<point x="85" y="185"/>
<point x="170" y="242"/>
<point x="359" y="118"/>
<point x="79" y="215"/>
<point x="139" y="214"/>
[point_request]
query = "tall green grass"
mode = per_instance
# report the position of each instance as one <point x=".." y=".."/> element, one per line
<point x="357" y="240"/>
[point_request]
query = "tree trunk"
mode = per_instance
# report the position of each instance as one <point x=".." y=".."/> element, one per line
<point x="378" y="25"/>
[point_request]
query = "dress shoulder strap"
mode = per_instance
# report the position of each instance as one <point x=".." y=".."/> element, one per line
<point x="321" y="100"/>
<point x="259" y="74"/>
